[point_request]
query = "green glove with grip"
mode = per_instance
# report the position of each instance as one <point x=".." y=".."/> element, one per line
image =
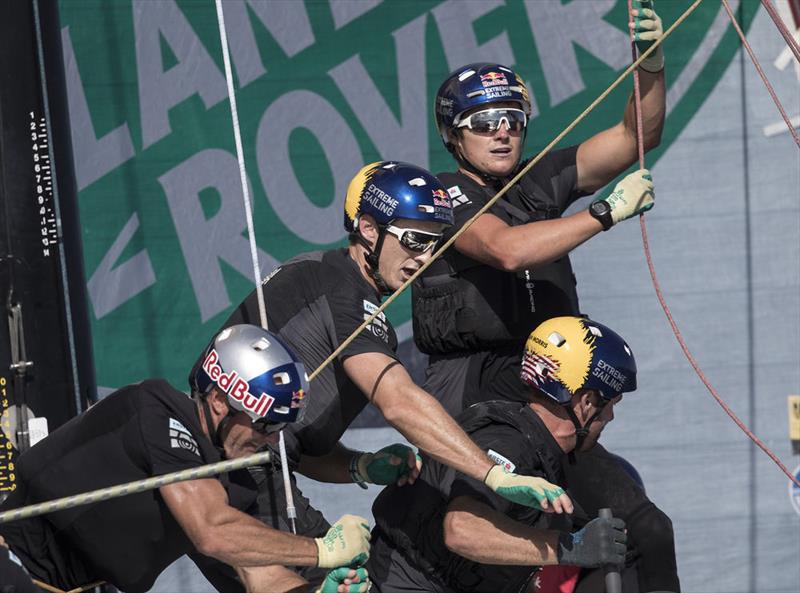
<point x="345" y="544"/>
<point x="358" y="577"/>
<point x="646" y="29"/>
<point x="528" y="491"/>
<point x="387" y="466"/>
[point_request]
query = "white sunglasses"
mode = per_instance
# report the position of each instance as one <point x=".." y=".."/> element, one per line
<point x="414" y="239"/>
<point x="489" y="121"/>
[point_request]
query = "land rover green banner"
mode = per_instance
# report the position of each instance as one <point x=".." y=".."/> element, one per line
<point x="322" y="88"/>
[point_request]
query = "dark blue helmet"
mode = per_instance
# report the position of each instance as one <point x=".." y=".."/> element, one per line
<point x="566" y="354"/>
<point x="628" y="468"/>
<point x="473" y="85"/>
<point x="258" y="372"/>
<point x="389" y="190"/>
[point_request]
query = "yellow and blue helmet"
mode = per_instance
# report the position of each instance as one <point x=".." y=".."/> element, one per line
<point x="566" y="354"/>
<point x="389" y="190"/>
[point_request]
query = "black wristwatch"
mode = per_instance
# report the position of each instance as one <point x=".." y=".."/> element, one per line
<point x="602" y="212"/>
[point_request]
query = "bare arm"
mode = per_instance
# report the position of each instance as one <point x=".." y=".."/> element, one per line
<point x="607" y="154"/>
<point x="416" y="414"/>
<point x="332" y="467"/>
<point x="511" y="248"/>
<point x="481" y="534"/>
<point x="218" y="530"/>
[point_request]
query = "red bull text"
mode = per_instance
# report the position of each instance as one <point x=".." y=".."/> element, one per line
<point x="236" y="387"/>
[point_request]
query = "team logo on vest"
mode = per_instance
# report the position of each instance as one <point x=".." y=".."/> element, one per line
<point x="456" y="197"/>
<point x="236" y="387"/>
<point x="378" y="326"/>
<point x="181" y="438"/>
<point x="500" y="460"/>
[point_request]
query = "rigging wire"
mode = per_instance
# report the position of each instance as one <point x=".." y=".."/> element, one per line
<point x="651" y="267"/>
<point x="291" y="510"/>
<point x="761" y="73"/>
<point x="785" y="33"/>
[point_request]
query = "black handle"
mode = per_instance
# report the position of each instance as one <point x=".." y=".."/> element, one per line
<point x="613" y="578"/>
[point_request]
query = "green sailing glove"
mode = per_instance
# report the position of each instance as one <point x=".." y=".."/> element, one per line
<point x="647" y="28"/>
<point x="358" y="577"/>
<point x="525" y="490"/>
<point x="345" y="544"/>
<point x="387" y="466"/>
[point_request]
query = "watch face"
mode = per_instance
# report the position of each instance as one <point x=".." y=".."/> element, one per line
<point x="600" y="208"/>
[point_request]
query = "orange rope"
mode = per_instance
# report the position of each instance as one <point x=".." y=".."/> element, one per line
<point x="651" y="267"/>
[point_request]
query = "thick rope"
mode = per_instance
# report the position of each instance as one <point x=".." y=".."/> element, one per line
<point x="761" y="73"/>
<point x="503" y="191"/>
<point x="102" y="494"/>
<point x="291" y="510"/>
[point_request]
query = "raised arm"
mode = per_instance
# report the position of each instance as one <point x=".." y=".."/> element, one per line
<point x="512" y="248"/>
<point x="609" y="153"/>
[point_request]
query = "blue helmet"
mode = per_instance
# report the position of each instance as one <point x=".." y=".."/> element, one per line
<point x="628" y="468"/>
<point x="566" y="354"/>
<point x="257" y="371"/>
<point x="388" y="190"/>
<point x="473" y="85"/>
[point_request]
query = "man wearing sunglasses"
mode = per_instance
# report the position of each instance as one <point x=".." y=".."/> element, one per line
<point x="394" y="213"/>
<point x="249" y="383"/>
<point x="510" y="270"/>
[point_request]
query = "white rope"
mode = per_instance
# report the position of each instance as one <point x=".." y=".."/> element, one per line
<point x="291" y="511"/>
<point x="262" y="309"/>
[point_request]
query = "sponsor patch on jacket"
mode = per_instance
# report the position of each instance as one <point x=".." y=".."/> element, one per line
<point x="181" y="438"/>
<point x="378" y="326"/>
<point x="500" y="460"/>
<point x="457" y="197"/>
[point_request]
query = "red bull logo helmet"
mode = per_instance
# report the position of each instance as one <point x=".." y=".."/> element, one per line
<point x="257" y="371"/>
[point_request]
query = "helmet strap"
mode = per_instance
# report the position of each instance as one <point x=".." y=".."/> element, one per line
<point x="372" y="258"/>
<point x="581" y="432"/>
<point x="215" y="434"/>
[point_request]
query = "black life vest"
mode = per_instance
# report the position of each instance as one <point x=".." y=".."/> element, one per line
<point x="462" y="305"/>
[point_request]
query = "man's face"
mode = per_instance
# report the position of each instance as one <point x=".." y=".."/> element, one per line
<point x="494" y="153"/>
<point x="599" y="423"/>
<point x="401" y="256"/>
<point x="240" y="437"/>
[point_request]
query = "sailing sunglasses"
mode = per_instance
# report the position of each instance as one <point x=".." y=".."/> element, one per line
<point x="414" y="239"/>
<point x="489" y="121"/>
